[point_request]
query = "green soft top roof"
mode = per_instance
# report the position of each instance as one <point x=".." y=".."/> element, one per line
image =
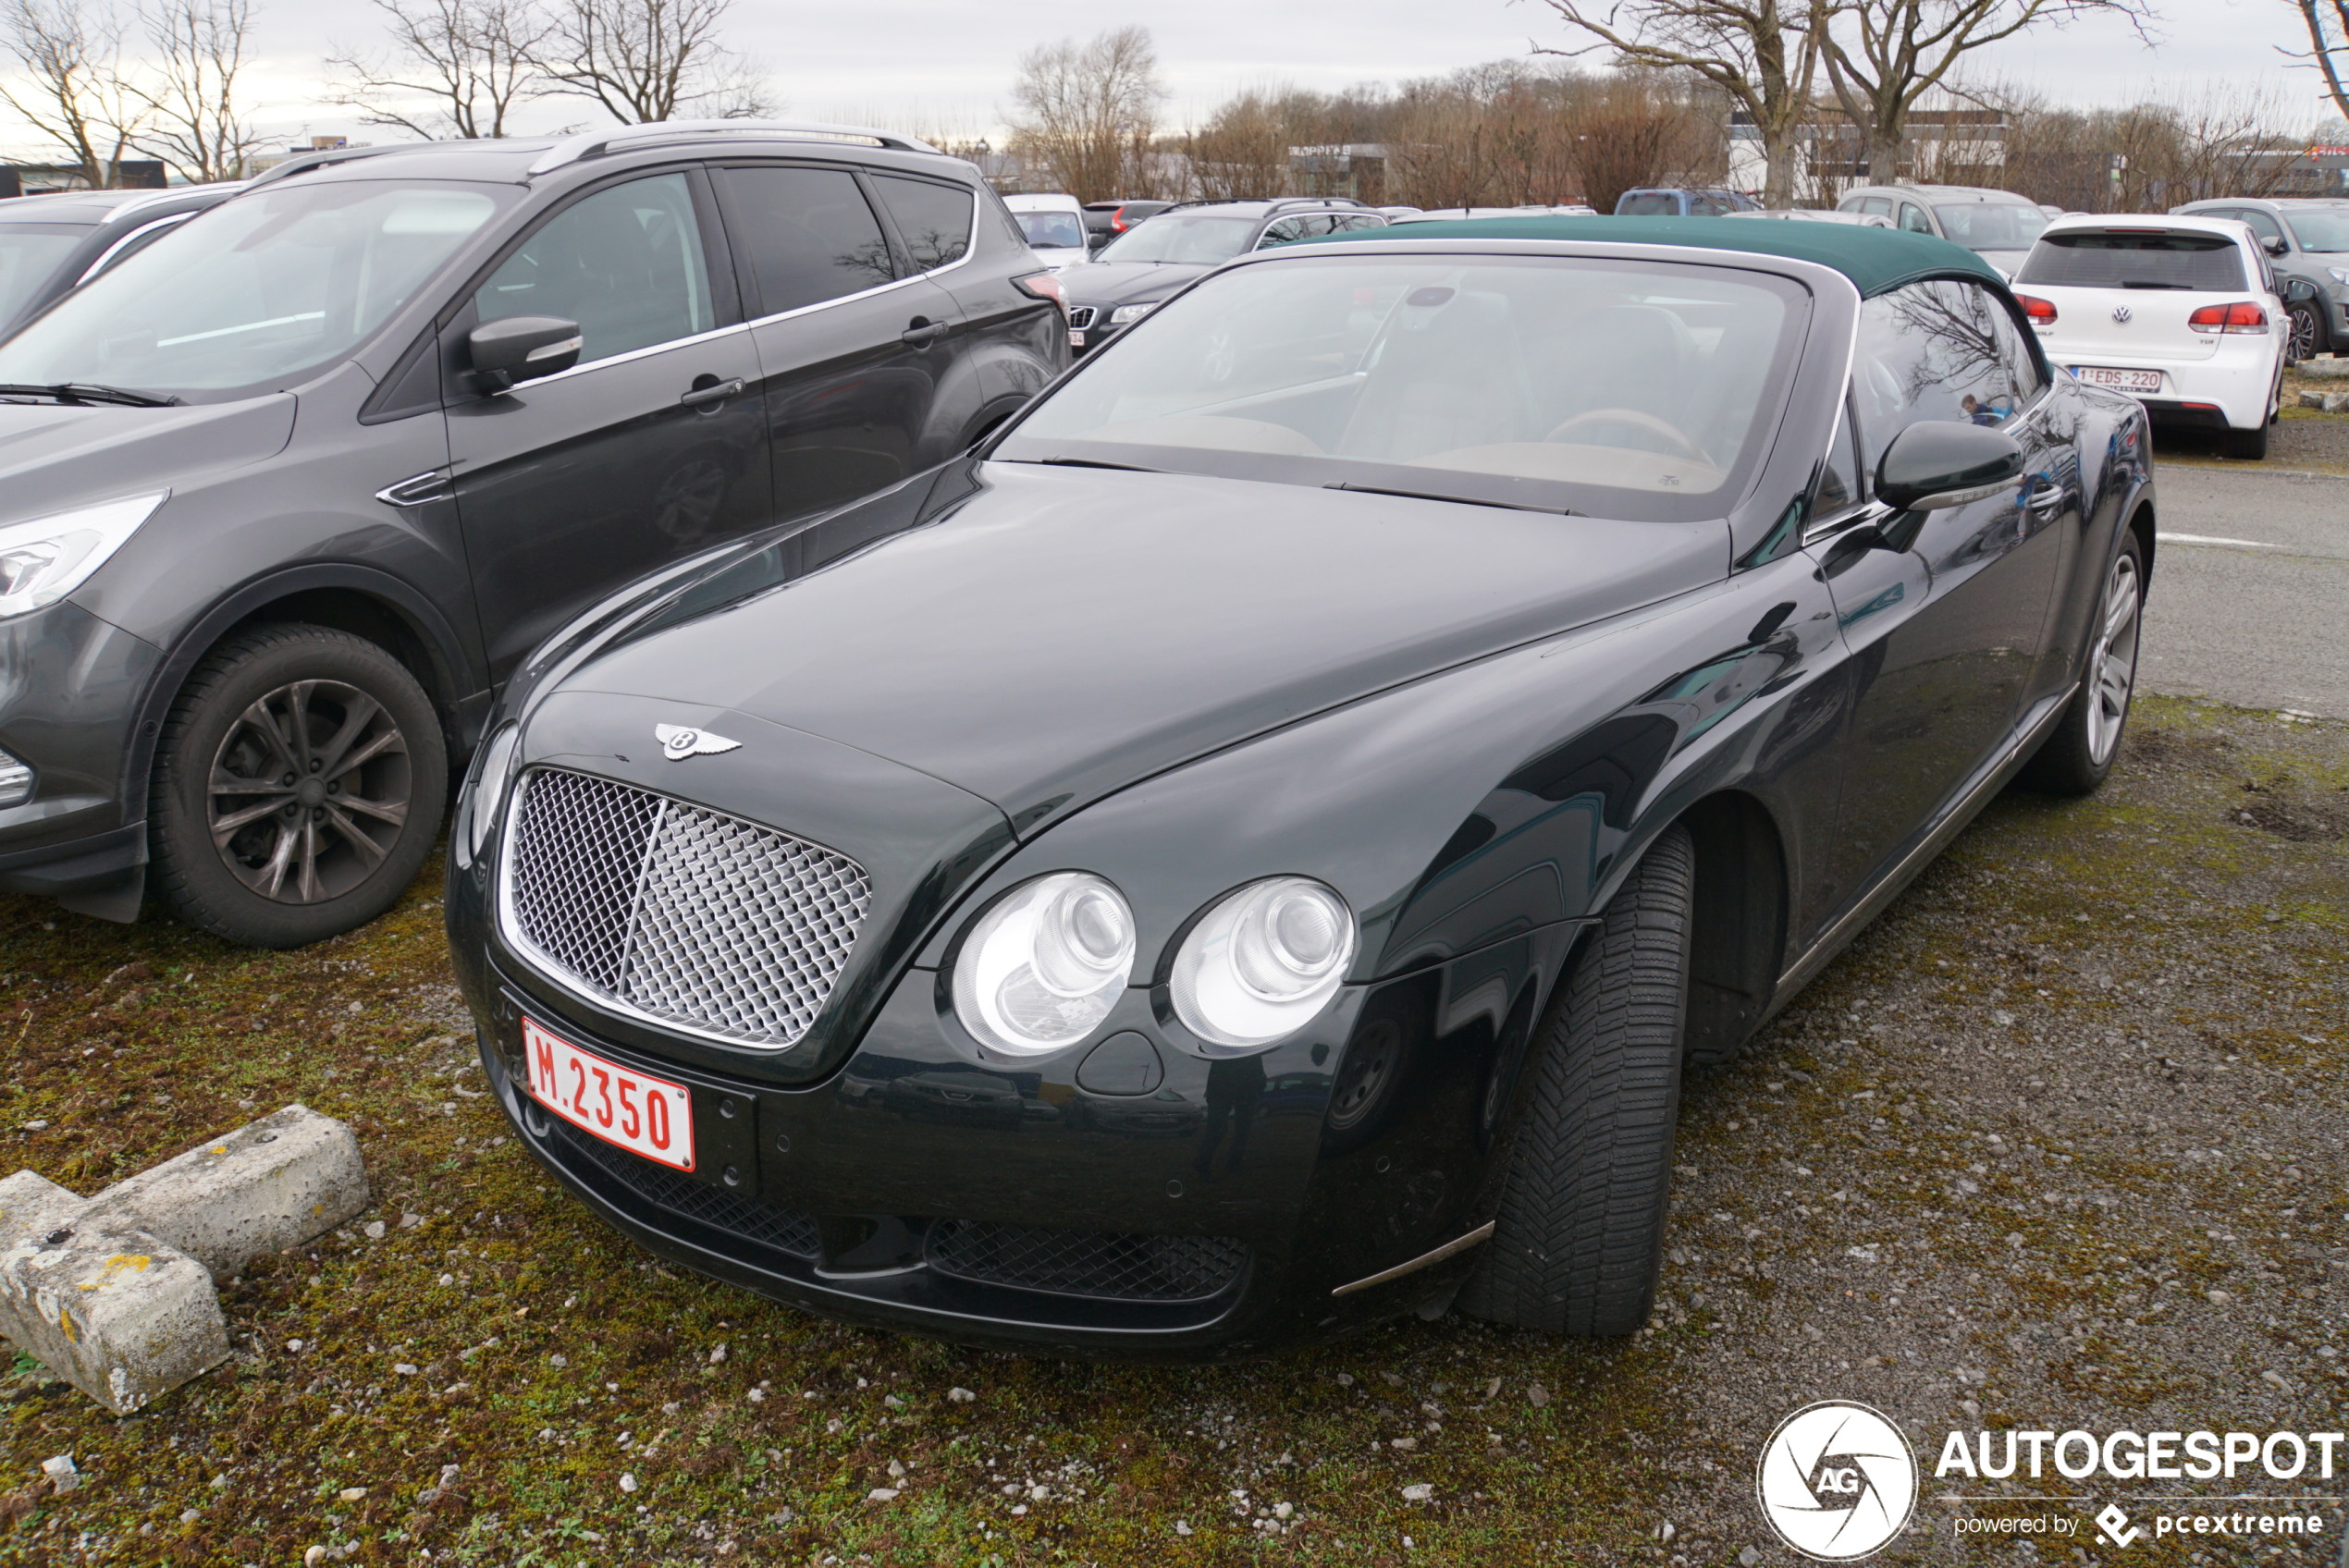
<point x="1875" y="260"/>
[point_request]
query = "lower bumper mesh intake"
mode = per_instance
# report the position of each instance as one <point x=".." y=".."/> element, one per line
<point x="1103" y="1266"/>
<point x="785" y="1230"/>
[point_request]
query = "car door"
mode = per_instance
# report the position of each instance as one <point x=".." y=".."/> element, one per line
<point x="1913" y="219"/>
<point x="649" y="448"/>
<point x="846" y="339"/>
<point x="1944" y="612"/>
<point x="1003" y="338"/>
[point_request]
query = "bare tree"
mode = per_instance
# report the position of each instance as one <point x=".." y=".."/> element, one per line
<point x="1763" y="53"/>
<point x="1242" y="151"/>
<point x="644" y="60"/>
<point x="469" y="60"/>
<point x="72" y="92"/>
<point x="1087" y="112"/>
<point x="2327" y="50"/>
<point x="1634" y="132"/>
<point x="195" y="121"/>
<point x="1882" y="55"/>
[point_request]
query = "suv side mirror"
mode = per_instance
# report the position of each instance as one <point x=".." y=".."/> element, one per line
<point x="522" y="348"/>
<point x="1938" y="464"/>
<point x="2279" y="245"/>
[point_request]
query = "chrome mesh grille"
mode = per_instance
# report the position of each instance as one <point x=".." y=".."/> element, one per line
<point x="1103" y="1266"/>
<point x="680" y="912"/>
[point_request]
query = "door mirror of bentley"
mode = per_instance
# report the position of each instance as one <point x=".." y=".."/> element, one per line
<point x="522" y="348"/>
<point x="1936" y="464"/>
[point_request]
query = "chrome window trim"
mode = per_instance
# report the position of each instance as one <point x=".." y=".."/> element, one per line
<point x="115" y="249"/>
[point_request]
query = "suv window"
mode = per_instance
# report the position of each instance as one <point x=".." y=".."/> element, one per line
<point x="1913" y="219"/>
<point x="807" y="234"/>
<point x="934" y="220"/>
<point x="1877" y="205"/>
<point x="1650" y="204"/>
<point x="1937" y="351"/>
<point x="625" y="264"/>
<point x="1284" y="231"/>
<point x="2261" y="224"/>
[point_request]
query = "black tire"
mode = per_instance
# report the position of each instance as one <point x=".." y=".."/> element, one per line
<point x="2077" y="757"/>
<point x="261" y="862"/>
<point x="2306" y="334"/>
<point x="1578" y="1239"/>
<point x="2249" y="445"/>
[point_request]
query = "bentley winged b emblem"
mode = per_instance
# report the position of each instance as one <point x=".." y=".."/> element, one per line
<point x="679" y="741"/>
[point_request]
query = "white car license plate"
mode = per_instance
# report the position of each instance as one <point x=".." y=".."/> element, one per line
<point x="642" y="1114"/>
<point x="2119" y="380"/>
<point x="1077" y="337"/>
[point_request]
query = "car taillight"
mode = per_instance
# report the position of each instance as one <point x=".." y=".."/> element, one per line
<point x="1043" y="286"/>
<point x="2041" y="312"/>
<point x="1117" y="220"/>
<point x="2241" y="316"/>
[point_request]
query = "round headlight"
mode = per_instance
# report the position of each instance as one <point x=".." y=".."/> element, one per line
<point x="1263" y="963"/>
<point x="490" y="787"/>
<point x="1042" y="966"/>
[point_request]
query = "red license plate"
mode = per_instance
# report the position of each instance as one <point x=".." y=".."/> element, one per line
<point x="641" y="1114"/>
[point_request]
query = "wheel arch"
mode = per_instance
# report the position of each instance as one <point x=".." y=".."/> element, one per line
<point x="1738" y="921"/>
<point x="372" y="605"/>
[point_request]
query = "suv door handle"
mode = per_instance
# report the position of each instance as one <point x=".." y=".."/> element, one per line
<point x="921" y="332"/>
<point x="2046" y="496"/>
<point x="703" y="396"/>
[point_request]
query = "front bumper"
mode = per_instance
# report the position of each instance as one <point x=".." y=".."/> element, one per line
<point x="1212" y="1218"/>
<point x="70" y="686"/>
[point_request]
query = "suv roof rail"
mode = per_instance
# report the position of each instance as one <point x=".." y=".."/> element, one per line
<point x="594" y="143"/>
<point x="1275" y="202"/>
<point x="302" y="162"/>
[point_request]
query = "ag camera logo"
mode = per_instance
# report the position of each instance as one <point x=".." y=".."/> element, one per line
<point x="1837" y="1480"/>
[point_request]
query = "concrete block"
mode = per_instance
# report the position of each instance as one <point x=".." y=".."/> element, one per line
<point x="31" y="1204"/>
<point x="2335" y="365"/>
<point x="113" y="1311"/>
<point x="270" y="1184"/>
<point x="2312" y="400"/>
<point x="2336" y="402"/>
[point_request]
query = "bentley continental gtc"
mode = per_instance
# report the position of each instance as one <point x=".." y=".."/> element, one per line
<point x="1250" y="850"/>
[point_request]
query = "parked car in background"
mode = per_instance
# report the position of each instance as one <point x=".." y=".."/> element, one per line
<point x="1429" y="215"/>
<point x="2178" y="312"/>
<point x="1249" y="854"/>
<point x="1055" y="227"/>
<point x="50" y="245"/>
<point x="1677" y="202"/>
<point x="291" y="491"/>
<point x="1128" y="279"/>
<point x="1104" y="221"/>
<point x="1998" y="226"/>
<point x="2306" y="241"/>
<point x="1816" y="215"/>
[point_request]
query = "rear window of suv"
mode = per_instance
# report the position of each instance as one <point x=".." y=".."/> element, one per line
<point x="2207" y="263"/>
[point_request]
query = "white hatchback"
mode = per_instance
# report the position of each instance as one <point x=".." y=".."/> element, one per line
<point x="1055" y="227"/>
<point x="2181" y="312"/>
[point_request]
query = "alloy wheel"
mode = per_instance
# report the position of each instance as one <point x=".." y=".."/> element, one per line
<point x="2303" y="342"/>
<point x="2112" y="667"/>
<point x="308" y="791"/>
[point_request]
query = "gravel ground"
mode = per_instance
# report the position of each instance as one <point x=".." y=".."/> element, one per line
<point x="2307" y="440"/>
<point x="2060" y="1144"/>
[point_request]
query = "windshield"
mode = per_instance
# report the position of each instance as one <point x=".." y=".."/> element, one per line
<point x="255" y="292"/>
<point x="1627" y="390"/>
<point x="1992" y="226"/>
<point x="2102" y="258"/>
<point x="1061" y="230"/>
<point x="1201" y="239"/>
<point x="29" y="253"/>
<point x="2321" y="229"/>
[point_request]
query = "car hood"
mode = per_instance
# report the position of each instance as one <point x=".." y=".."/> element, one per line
<point x="1126" y="283"/>
<point x="54" y="455"/>
<point x="1063" y="632"/>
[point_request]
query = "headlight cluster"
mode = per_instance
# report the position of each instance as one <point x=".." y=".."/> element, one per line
<point x="1126" y="316"/>
<point x="1042" y="966"/>
<point x="2340" y="274"/>
<point x="45" y="560"/>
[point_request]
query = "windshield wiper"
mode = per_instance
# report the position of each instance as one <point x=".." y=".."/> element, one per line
<point x="1088" y="463"/>
<point x="90" y="392"/>
<point x="1437" y="495"/>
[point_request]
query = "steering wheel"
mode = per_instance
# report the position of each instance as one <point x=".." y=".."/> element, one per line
<point x="1639" y="420"/>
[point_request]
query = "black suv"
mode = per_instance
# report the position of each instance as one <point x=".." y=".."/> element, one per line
<point x="294" y="488"/>
<point x="50" y="245"/>
<point x="1154" y="259"/>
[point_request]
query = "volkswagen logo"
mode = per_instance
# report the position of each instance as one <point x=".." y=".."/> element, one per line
<point x="2121" y="314"/>
<point x="1836" y="1481"/>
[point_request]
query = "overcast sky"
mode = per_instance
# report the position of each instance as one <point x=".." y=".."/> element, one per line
<point x="945" y="66"/>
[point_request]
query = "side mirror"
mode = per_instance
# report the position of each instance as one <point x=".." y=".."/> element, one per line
<point x="2279" y="247"/>
<point x="1940" y="463"/>
<point x="522" y="348"/>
